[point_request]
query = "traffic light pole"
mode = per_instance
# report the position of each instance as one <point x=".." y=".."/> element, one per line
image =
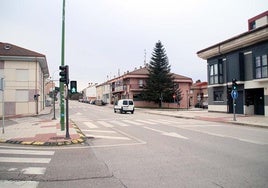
<point x="67" y="112"/>
<point x="62" y="63"/>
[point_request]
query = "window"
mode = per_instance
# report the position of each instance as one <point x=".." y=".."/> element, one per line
<point x="218" y="96"/>
<point x="261" y="70"/>
<point x="22" y="95"/>
<point x="22" y="75"/>
<point x="140" y="83"/>
<point x="216" y="73"/>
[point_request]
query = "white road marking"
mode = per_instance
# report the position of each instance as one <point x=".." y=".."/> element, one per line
<point x="26" y="152"/>
<point x="34" y="170"/>
<point x="24" y="160"/>
<point x="172" y="134"/>
<point x="176" y="135"/>
<point x="19" y="184"/>
<point x="12" y="169"/>
<point x="232" y="137"/>
<point x="217" y="134"/>
<point x="117" y="145"/>
<point x="146" y="122"/>
<point x="119" y="123"/>
<point x="90" y="125"/>
<point x="132" y="122"/>
<point x="97" y="131"/>
<point x="109" y="137"/>
<point x="162" y="121"/>
<point x="105" y="124"/>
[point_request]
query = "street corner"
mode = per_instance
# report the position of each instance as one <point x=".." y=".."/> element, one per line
<point x="47" y="140"/>
<point x="82" y="136"/>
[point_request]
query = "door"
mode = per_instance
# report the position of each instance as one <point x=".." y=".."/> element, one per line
<point x="259" y="101"/>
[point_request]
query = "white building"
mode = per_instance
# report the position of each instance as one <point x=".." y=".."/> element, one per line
<point x="24" y="73"/>
<point x="89" y="93"/>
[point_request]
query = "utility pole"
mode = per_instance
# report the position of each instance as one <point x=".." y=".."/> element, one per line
<point x="62" y="114"/>
<point x="64" y="73"/>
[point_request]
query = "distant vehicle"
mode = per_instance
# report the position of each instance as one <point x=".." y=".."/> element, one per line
<point x="205" y="105"/>
<point x="124" y="106"/>
<point x="100" y="102"/>
<point x="92" y="102"/>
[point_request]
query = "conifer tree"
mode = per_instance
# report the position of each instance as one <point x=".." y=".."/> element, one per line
<point x="160" y="84"/>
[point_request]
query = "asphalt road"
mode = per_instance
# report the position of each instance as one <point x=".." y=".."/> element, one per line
<point x="144" y="150"/>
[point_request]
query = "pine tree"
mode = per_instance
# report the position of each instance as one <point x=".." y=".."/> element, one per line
<point x="160" y="84"/>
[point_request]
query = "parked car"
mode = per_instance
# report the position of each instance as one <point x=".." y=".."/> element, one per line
<point x="203" y="105"/>
<point x="100" y="102"/>
<point x="124" y="106"/>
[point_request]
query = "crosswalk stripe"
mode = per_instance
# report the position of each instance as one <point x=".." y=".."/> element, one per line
<point x="19" y="184"/>
<point x="146" y="122"/>
<point x="109" y="137"/>
<point x="98" y="131"/>
<point x="24" y="160"/>
<point x="28" y="170"/>
<point x="34" y="170"/>
<point x="119" y="123"/>
<point x="26" y="152"/>
<point x="161" y="121"/>
<point x="132" y="122"/>
<point x="90" y="125"/>
<point x="105" y="124"/>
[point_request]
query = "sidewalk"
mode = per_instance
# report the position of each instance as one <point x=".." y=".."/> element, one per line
<point x="204" y="115"/>
<point x="42" y="131"/>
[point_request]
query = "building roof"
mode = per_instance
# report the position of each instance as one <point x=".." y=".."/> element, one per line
<point x="257" y="19"/>
<point x="12" y="52"/>
<point x="199" y="85"/>
<point x="143" y="72"/>
<point x="240" y="41"/>
<point x="7" y="49"/>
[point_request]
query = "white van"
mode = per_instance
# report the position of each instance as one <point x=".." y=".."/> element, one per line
<point x="124" y="105"/>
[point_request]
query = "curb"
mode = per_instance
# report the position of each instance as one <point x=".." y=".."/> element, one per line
<point x="230" y="122"/>
<point x="82" y="138"/>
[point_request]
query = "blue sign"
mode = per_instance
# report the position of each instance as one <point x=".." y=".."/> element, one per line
<point x="234" y="94"/>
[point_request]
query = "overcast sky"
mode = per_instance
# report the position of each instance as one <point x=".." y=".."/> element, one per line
<point x="107" y="37"/>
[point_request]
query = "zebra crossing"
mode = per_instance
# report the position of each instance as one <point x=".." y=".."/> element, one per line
<point x="102" y="124"/>
<point x="17" y="164"/>
<point x="124" y="123"/>
<point x="107" y="129"/>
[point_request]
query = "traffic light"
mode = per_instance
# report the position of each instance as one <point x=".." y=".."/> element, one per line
<point x="73" y="87"/>
<point x="234" y="84"/>
<point x="64" y="73"/>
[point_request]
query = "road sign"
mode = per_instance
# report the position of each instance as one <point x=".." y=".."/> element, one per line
<point x="234" y="94"/>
